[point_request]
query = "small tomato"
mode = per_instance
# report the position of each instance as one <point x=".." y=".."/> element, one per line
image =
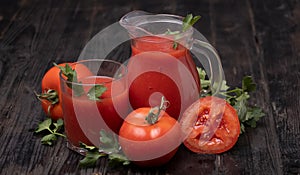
<point x="51" y="93"/>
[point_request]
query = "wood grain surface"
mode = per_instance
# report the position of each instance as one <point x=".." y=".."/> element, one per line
<point x="253" y="37"/>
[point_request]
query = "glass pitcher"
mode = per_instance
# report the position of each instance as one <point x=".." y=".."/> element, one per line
<point x="161" y="63"/>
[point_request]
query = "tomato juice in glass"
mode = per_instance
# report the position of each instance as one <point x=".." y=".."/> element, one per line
<point x="159" y="66"/>
<point x="83" y="117"/>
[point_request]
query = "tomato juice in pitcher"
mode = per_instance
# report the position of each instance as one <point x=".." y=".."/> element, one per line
<point x="161" y="63"/>
<point x="158" y="69"/>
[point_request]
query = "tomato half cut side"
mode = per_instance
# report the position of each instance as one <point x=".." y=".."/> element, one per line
<point x="211" y="125"/>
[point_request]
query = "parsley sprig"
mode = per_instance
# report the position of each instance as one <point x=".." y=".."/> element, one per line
<point x="237" y="97"/>
<point x="94" y="93"/>
<point x="52" y="129"/>
<point x="187" y="23"/>
<point x="71" y="75"/>
<point x="109" y="148"/>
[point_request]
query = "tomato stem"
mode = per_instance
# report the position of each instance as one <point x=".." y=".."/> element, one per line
<point x="59" y="134"/>
<point x="154" y="113"/>
<point x="50" y="95"/>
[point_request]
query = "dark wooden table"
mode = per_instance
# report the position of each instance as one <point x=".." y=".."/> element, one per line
<point x="253" y="37"/>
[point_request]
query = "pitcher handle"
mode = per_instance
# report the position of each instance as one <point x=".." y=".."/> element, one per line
<point x="211" y="63"/>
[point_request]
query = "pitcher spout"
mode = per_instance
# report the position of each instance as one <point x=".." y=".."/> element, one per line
<point x="132" y="21"/>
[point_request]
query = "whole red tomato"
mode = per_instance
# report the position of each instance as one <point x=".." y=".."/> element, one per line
<point x="211" y="125"/>
<point x="147" y="144"/>
<point x="51" y="93"/>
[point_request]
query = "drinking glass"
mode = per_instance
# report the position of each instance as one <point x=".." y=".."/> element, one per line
<point x="86" y="110"/>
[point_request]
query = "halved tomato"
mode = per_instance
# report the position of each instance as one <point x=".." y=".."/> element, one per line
<point x="211" y="125"/>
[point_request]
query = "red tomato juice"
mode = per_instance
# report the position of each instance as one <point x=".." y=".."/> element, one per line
<point x="157" y="69"/>
<point x="84" y="118"/>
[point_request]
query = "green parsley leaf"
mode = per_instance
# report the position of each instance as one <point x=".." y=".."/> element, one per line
<point x="48" y="139"/>
<point x="51" y="129"/>
<point x="89" y="160"/>
<point x="106" y="138"/>
<point x="58" y="125"/>
<point x="71" y="77"/>
<point x="96" y="91"/>
<point x="91" y="156"/>
<point x="242" y="128"/>
<point x="248" y="85"/>
<point x="116" y="158"/>
<point x="236" y="97"/>
<point x="68" y="72"/>
<point x="109" y="143"/>
<point x="253" y="115"/>
<point x="240" y="107"/>
<point x="45" y="125"/>
<point x="194" y="20"/>
<point x="109" y="146"/>
<point x="189" y="21"/>
<point x="206" y="84"/>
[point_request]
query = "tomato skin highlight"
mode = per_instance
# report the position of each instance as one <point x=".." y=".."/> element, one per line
<point x="222" y="131"/>
<point x="51" y="81"/>
<point x="149" y="145"/>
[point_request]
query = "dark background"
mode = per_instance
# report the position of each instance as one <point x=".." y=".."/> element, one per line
<point x="260" y="38"/>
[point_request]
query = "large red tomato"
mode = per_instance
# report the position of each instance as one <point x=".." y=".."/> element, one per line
<point x="149" y="144"/>
<point x="51" y="93"/>
<point x="211" y="125"/>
